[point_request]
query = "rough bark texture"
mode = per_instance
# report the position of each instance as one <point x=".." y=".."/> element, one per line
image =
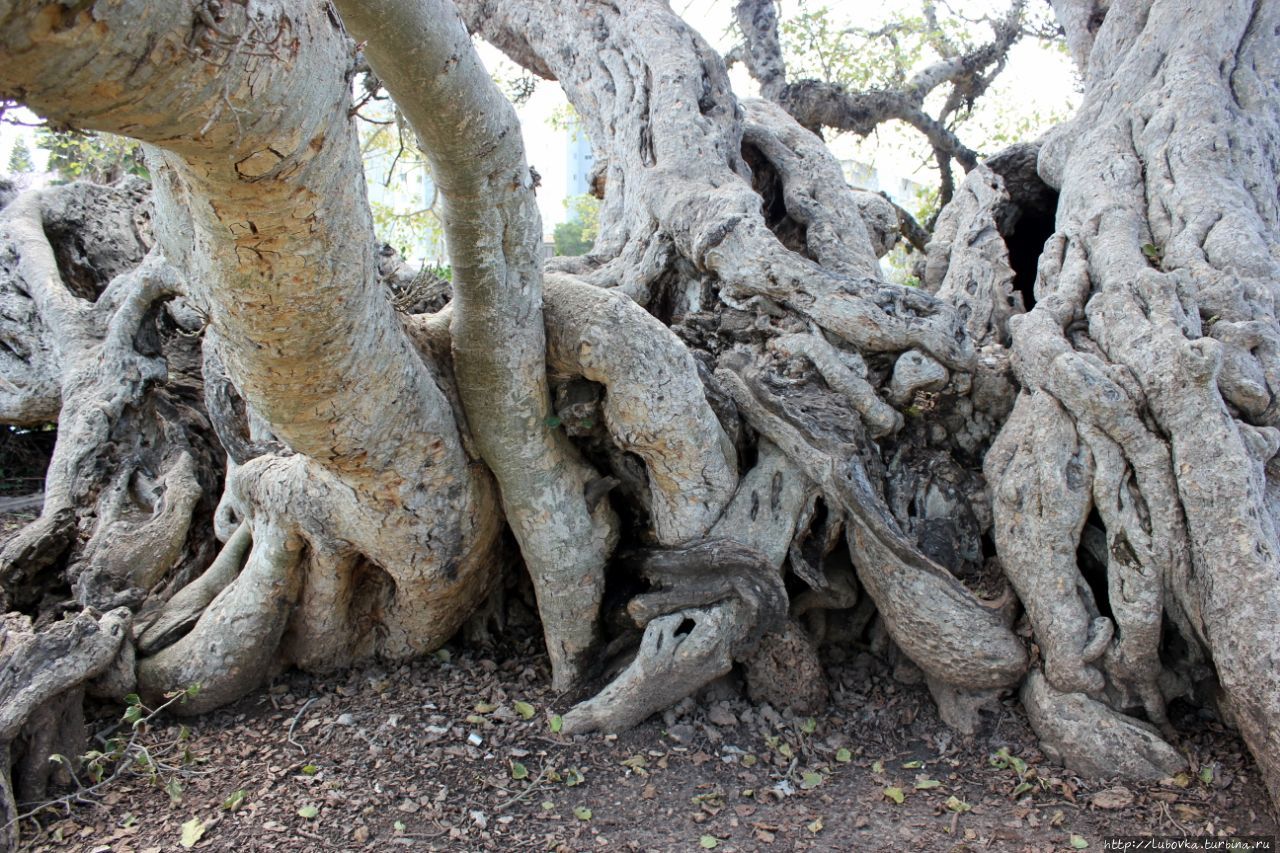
<point x="726" y="384"/>
<point x="1148" y="367"/>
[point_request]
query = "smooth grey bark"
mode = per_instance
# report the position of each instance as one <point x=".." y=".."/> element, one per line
<point x="422" y="53"/>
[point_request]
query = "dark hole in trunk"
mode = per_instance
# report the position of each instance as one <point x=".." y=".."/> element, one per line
<point x="1026" y="242"/>
<point x="24" y="458"/>
<point x="1029" y="220"/>
<point x="1091" y="557"/>
<point x="767" y="183"/>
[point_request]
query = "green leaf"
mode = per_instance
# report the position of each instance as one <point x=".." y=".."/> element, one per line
<point x="443" y="655"/>
<point x="174" y="789"/>
<point x="927" y="784"/>
<point x="635" y="762"/>
<point x="877" y="767"/>
<point x="809" y="726"/>
<point x="552" y="421"/>
<point x="192" y="831"/>
<point x="308" y="812"/>
<point x="193" y="691"/>
<point x="310" y="770"/>
<point x="485" y="708"/>
<point x="233" y="802"/>
<point x="398" y="826"/>
<point x="133" y="714"/>
<point x="785" y="751"/>
<point x="815" y="826"/>
<point x="573" y="776"/>
<point x="895" y="794"/>
<point x="582" y="812"/>
<point x="1021" y="789"/>
<point x="519" y="771"/>
<point x="843" y="755"/>
<point x="557" y="723"/>
<point x="1078" y="842"/>
<point x="810" y="780"/>
<point x="957" y="805"/>
<point x="525" y="710"/>
<point x="749" y="760"/>
<point x="1206" y="774"/>
<point x="912" y="765"/>
<point x="547" y="805"/>
<point x="133" y="699"/>
<point x="708" y="842"/>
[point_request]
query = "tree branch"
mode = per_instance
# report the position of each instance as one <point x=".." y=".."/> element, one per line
<point x="817" y="103"/>
<point x="762" y="50"/>
<point x="423" y="55"/>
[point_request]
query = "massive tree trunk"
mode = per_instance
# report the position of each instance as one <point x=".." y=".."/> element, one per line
<point x="1149" y="370"/>
<point x="726" y="384"/>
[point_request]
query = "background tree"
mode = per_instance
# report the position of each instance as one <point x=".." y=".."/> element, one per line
<point x="20" y="158"/>
<point x="925" y="69"/>
<point x="1070" y="424"/>
<point x="99" y="157"/>
<point x="577" y="234"/>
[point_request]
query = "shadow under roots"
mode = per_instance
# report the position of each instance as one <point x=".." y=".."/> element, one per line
<point x="24" y="458"/>
<point x="767" y="183"/>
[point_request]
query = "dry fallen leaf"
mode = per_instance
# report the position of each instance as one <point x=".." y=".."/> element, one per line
<point x="1118" y="797"/>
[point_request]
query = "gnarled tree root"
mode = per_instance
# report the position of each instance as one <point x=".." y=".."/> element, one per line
<point x="184" y="609"/>
<point x="670" y="664"/>
<point x="1091" y="739"/>
<point x="225" y="653"/>
<point x="42" y="679"/>
<point x="940" y="625"/>
<point x="730" y="593"/>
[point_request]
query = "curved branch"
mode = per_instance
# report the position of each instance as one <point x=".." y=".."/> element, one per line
<point x="817" y="103"/>
<point x="655" y="406"/>
<point x="423" y="55"/>
<point x="758" y="20"/>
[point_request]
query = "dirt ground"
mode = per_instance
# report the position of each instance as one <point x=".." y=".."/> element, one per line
<point x="461" y="752"/>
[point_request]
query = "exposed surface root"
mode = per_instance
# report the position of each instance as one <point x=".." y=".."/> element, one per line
<point x="936" y="621"/>
<point x="1093" y="740"/>
<point x="42" y="676"/>
<point x="224" y="652"/>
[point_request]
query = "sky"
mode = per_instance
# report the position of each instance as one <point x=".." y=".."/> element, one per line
<point x="1036" y="80"/>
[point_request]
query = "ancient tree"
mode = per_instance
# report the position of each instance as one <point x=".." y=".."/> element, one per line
<point x="1047" y="471"/>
